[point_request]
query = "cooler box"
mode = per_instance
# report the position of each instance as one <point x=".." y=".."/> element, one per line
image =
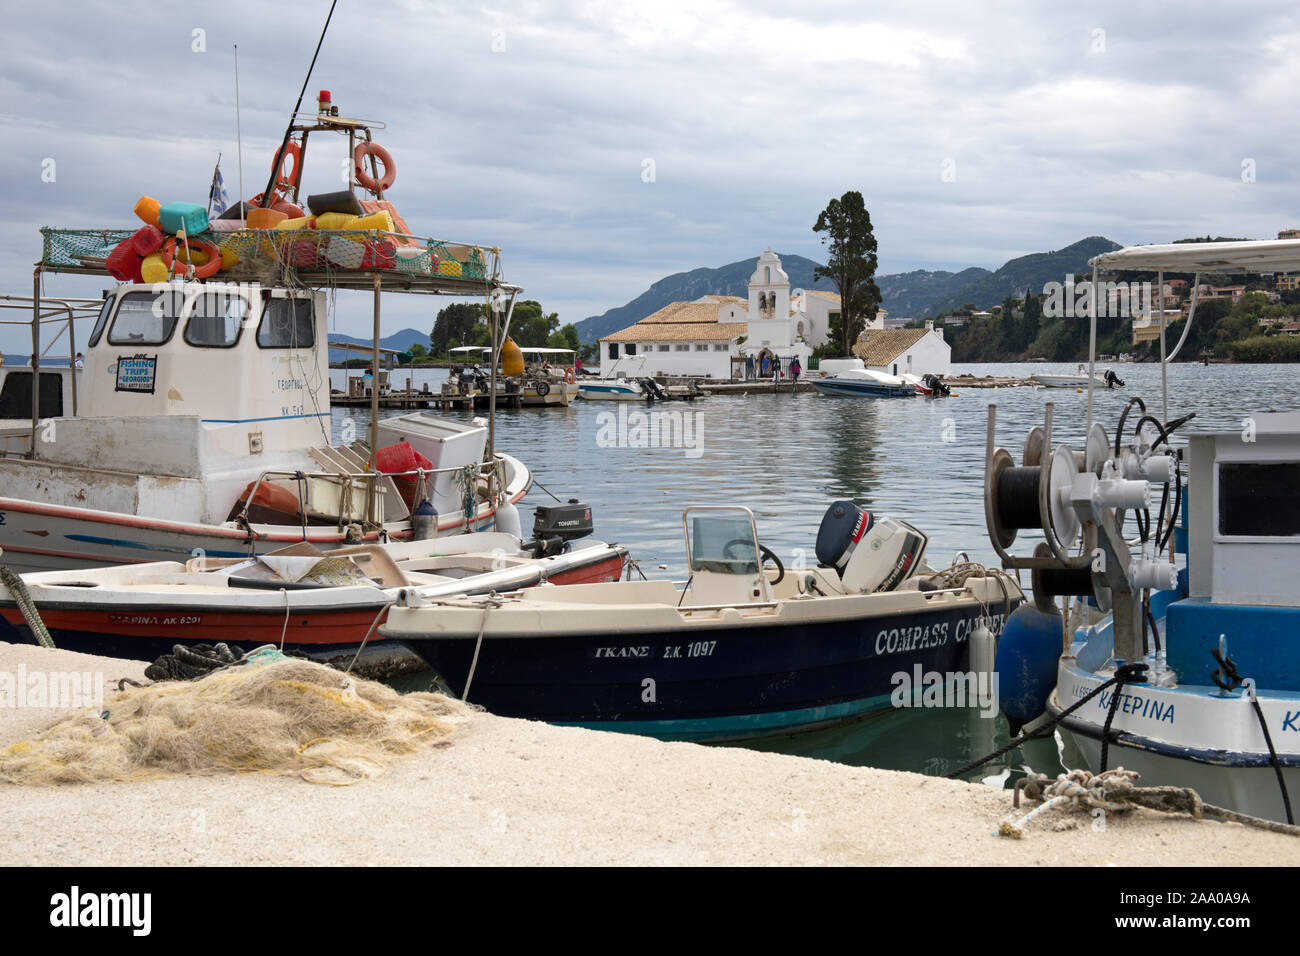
<point x="446" y="443"/>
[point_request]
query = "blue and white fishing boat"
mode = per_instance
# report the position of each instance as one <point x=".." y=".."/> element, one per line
<point x="739" y="650"/>
<point x="1192" y="678"/>
<point x="864" y="382"/>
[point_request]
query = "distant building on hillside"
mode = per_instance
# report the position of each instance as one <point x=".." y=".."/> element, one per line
<point x="895" y="351"/>
<point x="703" y="338"/>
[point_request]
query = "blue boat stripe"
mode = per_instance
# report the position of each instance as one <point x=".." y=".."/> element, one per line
<point x="273" y="418"/>
<point x="145" y="546"/>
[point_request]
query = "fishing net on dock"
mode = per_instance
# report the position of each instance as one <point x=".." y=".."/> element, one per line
<point x="271" y="714"/>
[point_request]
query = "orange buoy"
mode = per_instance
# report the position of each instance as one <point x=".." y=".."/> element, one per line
<point x="568" y="375"/>
<point x="364" y="178"/>
<point x="209" y="268"/>
<point x="512" y="358"/>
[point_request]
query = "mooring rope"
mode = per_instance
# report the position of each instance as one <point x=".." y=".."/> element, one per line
<point x="23" y="598"/>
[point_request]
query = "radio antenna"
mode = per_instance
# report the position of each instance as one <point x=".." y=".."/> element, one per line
<point x="239" y="135"/>
<point x="284" y="143"/>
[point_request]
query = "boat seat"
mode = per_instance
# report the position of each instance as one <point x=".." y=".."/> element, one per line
<point x="375" y="563"/>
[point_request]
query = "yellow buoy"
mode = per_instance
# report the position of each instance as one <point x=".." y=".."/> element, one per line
<point x="512" y="358"/>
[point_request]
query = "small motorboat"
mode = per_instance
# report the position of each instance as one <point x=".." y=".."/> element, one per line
<point x="322" y="603"/>
<point x="1081" y="380"/>
<point x="622" y="390"/>
<point x="865" y="382"/>
<point x="739" y="650"/>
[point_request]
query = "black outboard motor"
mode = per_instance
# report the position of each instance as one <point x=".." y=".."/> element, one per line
<point x="1113" y="380"/>
<point x="653" y="390"/>
<point x="935" y="384"/>
<point x="870" y="553"/>
<point x="554" y="526"/>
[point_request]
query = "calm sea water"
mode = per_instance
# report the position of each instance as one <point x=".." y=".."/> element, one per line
<point x="787" y="457"/>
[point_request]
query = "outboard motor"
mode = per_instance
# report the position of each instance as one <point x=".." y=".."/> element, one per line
<point x="935" y="384"/>
<point x="869" y="553"/>
<point x="554" y="526"/>
<point x="1113" y="380"/>
<point x="654" y="391"/>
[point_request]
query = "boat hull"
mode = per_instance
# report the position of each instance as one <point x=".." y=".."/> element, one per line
<point x="1188" y="736"/>
<point x="864" y="389"/>
<point x="325" y="624"/>
<point x="609" y="393"/>
<point x="719" y="683"/>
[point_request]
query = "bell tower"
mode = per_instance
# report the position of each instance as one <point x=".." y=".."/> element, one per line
<point x="769" y="300"/>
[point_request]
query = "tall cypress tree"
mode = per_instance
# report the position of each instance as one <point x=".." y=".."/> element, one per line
<point x="851" y="264"/>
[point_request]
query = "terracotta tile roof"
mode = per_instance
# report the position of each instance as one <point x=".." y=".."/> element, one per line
<point x="878" y="347"/>
<point x="833" y="296"/>
<point x="727" y="299"/>
<point x="679" y="332"/>
<point x="683" y="312"/>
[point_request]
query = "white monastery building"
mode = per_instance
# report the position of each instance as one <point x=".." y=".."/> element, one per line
<point x="711" y="337"/>
<point x="896" y="351"/>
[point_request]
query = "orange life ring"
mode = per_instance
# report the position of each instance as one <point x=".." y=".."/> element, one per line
<point x="210" y="268"/>
<point x="284" y="183"/>
<point x="568" y="375"/>
<point x="364" y="178"/>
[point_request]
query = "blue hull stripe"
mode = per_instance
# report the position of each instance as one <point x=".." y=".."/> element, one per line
<point x="272" y="418"/>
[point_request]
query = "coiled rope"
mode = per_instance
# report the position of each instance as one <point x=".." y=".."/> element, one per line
<point x="1114" y="791"/>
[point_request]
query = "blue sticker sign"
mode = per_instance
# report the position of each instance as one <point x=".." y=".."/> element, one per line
<point x="136" y="374"/>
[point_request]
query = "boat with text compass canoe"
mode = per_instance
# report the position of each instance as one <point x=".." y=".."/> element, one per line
<point x="1185" y="664"/>
<point x="204" y="421"/>
<point x="740" y="650"/>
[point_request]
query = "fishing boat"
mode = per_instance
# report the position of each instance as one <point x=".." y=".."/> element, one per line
<point x="865" y="382"/>
<point x="739" y="650"/>
<point x="211" y="426"/>
<point x="1080" y="380"/>
<point x="1185" y="666"/>
<point x="324" y="604"/>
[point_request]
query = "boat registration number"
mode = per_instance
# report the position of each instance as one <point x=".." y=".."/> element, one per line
<point x="155" y="619"/>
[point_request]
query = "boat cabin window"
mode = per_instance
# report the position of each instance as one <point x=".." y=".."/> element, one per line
<point x="16" y="395"/>
<point x="216" y="319"/>
<point x="723" y="543"/>
<point x="1258" y="499"/>
<point x="287" y="324"/>
<point x="145" y="318"/>
<point x="100" y="322"/>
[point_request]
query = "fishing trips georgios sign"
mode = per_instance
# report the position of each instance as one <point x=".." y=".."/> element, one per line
<point x="136" y="374"/>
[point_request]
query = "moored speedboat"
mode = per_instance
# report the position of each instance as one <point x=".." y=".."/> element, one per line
<point x="611" y="390"/>
<point x="737" y="651"/>
<point x="864" y="382"/>
<point x="1079" y="380"/>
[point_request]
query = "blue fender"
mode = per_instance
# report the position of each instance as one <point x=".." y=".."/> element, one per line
<point x="1025" y="665"/>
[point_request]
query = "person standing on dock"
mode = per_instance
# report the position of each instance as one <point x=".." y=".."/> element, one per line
<point x="776" y="371"/>
<point x="795" y="369"/>
<point x="749" y="368"/>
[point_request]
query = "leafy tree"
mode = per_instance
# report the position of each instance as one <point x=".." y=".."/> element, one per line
<point x="458" y="324"/>
<point x="851" y="265"/>
<point x="565" y="337"/>
<point x="418" y="351"/>
<point x="530" y="326"/>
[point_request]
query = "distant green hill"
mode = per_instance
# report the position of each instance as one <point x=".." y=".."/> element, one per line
<point x="913" y="294"/>
<point x="1027" y="272"/>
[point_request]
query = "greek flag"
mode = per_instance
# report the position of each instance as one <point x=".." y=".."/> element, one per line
<point x="217" y="198"/>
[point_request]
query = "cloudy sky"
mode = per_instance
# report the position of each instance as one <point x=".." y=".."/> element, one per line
<point x="976" y="131"/>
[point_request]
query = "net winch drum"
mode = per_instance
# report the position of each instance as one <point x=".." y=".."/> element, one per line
<point x="1013" y="494"/>
<point x="869" y="552"/>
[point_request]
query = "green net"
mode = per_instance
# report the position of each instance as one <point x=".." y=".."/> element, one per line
<point x="259" y="252"/>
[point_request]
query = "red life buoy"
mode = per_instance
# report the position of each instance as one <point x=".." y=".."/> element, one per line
<point x="209" y="268"/>
<point x="364" y="178"/>
<point x="568" y="375"/>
